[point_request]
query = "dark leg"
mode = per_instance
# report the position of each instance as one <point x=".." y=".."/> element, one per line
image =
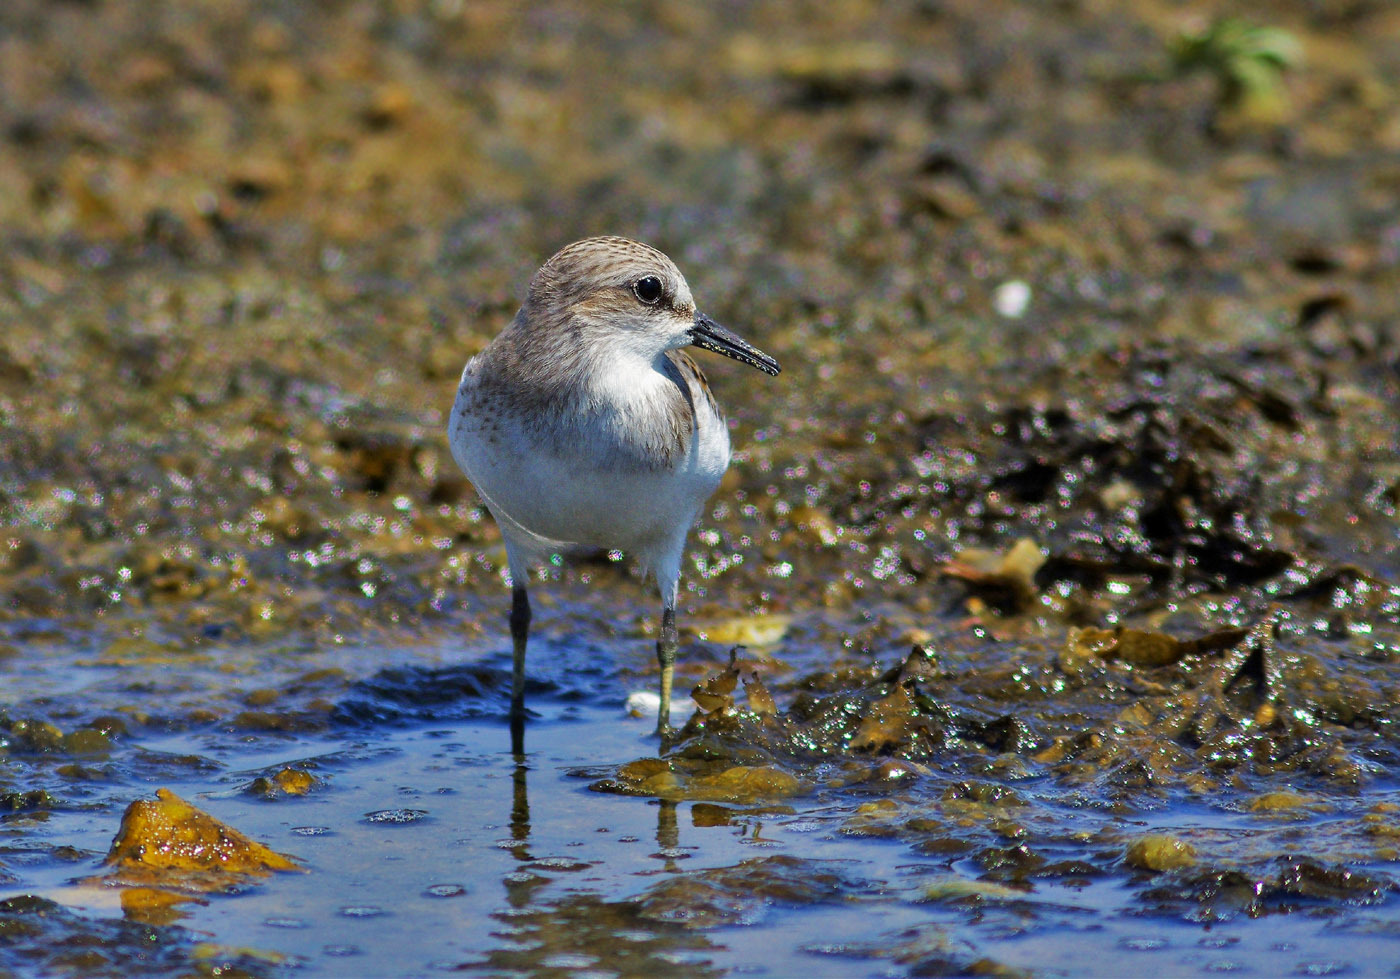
<point x="519" y="632"/>
<point x="668" y="833"/>
<point x="666" y="656"/>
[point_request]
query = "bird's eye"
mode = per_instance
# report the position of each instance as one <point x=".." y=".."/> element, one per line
<point x="647" y="289"/>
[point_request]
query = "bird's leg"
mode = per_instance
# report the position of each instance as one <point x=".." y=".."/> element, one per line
<point x="666" y="656"/>
<point x="519" y="632"/>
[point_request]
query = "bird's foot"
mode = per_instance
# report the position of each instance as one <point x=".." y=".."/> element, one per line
<point x="667" y="734"/>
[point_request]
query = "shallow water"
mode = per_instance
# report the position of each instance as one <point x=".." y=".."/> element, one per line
<point x="429" y="847"/>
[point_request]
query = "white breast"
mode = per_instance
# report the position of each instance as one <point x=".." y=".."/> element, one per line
<point x="563" y="482"/>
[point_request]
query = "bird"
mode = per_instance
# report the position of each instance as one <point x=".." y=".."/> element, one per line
<point x="584" y="425"/>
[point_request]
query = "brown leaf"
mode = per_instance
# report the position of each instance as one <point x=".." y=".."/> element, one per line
<point x="1004" y="580"/>
<point x="887" y="722"/>
<point x="760" y="700"/>
<point x="717" y="693"/>
<point x="1138" y="647"/>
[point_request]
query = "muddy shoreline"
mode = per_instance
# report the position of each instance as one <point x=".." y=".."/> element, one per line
<point x="1082" y="479"/>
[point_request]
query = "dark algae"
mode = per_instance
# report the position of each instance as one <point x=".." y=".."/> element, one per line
<point x="1046" y="622"/>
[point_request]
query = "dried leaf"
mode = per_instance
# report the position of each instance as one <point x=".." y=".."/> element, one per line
<point x="887" y="723"/>
<point x="760" y="700"/>
<point x="717" y="693"/>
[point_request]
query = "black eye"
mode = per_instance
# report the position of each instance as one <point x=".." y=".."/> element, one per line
<point x="647" y="289"/>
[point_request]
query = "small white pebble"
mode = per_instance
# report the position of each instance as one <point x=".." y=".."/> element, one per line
<point x="1012" y="299"/>
<point x="646" y="704"/>
<point x="643" y="703"/>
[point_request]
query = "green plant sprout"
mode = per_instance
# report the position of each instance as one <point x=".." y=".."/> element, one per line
<point x="1248" y="62"/>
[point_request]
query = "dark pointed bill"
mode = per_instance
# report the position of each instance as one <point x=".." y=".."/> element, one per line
<point x="709" y="335"/>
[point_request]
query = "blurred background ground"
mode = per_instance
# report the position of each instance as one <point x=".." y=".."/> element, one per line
<point x="248" y="246"/>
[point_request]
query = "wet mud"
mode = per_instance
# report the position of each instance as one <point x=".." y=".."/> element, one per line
<point x="1051" y="606"/>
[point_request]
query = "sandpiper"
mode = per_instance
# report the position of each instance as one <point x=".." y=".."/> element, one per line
<point x="584" y="425"/>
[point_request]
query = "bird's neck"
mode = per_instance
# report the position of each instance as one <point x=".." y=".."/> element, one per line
<point x="625" y="377"/>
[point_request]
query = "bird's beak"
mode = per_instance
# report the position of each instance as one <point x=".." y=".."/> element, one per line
<point x="709" y="335"/>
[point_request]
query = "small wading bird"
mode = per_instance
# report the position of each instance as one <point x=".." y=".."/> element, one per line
<point x="584" y="425"/>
